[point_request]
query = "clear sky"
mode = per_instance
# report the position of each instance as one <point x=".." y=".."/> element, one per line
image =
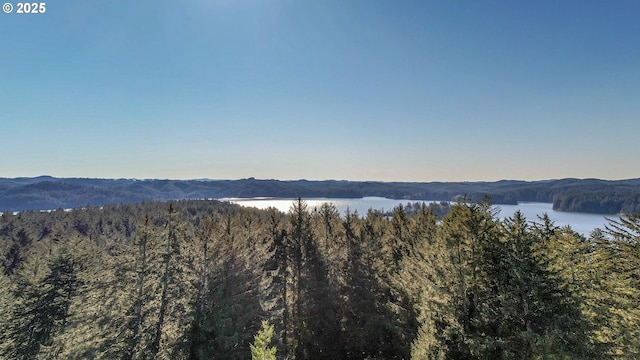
<point x="331" y="89"/>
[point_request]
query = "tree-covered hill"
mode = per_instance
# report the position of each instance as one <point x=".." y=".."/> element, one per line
<point x="581" y="195"/>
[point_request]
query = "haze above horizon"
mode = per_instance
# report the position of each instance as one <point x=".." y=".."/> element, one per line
<point x="44" y="178"/>
<point x="356" y="90"/>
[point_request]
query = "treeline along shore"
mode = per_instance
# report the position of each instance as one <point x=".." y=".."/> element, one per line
<point x="577" y="195"/>
<point x="203" y="279"/>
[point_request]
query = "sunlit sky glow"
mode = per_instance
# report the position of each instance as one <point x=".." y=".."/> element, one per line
<point x="356" y="90"/>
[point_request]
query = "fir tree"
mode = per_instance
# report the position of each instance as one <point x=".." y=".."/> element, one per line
<point x="46" y="294"/>
<point x="260" y="349"/>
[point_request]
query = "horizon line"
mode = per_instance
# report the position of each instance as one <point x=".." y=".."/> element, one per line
<point x="311" y="180"/>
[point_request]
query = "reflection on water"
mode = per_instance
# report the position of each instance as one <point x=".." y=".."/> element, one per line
<point x="580" y="222"/>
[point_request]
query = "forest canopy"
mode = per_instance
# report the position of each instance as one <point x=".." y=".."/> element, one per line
<point x="210" y="280"/>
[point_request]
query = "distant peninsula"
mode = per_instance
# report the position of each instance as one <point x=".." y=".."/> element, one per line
<point x="577" y="195"/>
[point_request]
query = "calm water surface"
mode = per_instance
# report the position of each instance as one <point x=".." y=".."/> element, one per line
<point x="580" y="222"/>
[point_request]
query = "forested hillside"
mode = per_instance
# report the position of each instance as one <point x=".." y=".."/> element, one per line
<point x="210" y="280"/>
<point x="580" y="195"/>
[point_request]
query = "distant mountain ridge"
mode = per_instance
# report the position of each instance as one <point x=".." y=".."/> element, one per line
<point x="581" y="195"/>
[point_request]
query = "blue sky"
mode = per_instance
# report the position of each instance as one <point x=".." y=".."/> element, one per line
<point x="357" y="90"/>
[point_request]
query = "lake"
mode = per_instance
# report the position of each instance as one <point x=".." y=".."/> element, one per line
<point x="580" y="222"/>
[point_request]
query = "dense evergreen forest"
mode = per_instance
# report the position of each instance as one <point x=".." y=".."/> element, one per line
<point x="579" y="195"/>
<point x="210" y="280"/>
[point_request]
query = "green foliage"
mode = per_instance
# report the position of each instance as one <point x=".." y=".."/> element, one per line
<point x="260" y="349"/>
<point x="194" y="280"/>
<point x="315" y="327"/>
<point x="7" y="315"/>
<point x="45" y="291"/>
<point x="599" y="201"/>
<point x="617" y="307"/>
<point x="491" y="295"/>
